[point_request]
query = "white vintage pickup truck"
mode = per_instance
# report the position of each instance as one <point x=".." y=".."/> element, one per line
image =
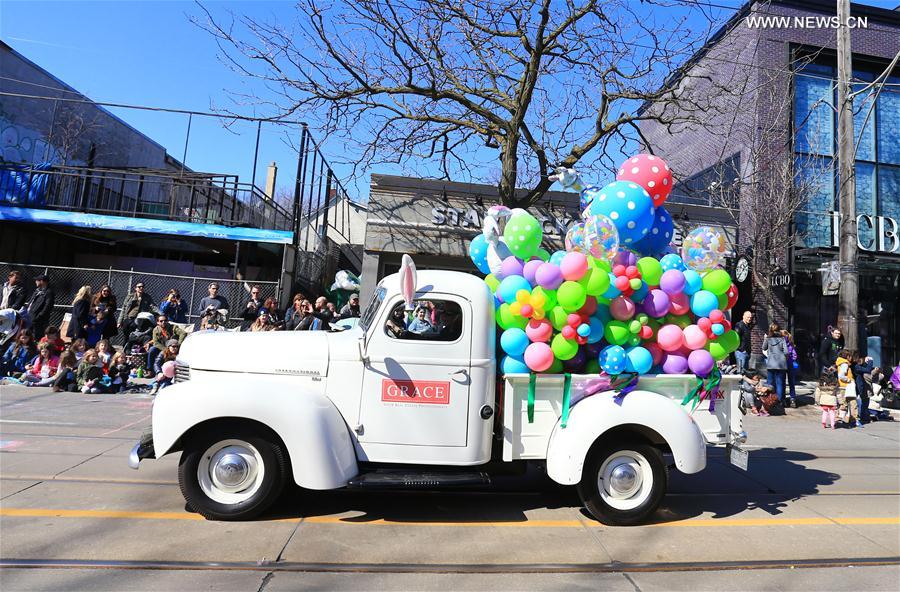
<point x="378" y="406"/>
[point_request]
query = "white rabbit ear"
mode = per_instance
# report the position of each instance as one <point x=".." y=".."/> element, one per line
<point x="408" y="280"/>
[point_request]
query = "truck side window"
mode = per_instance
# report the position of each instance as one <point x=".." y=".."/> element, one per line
<point x="432" y="320"/>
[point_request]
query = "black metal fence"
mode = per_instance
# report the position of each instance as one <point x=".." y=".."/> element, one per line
<point x="66" y="281"/>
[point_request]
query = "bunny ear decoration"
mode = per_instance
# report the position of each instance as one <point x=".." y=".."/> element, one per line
<point x="408" y="280"/>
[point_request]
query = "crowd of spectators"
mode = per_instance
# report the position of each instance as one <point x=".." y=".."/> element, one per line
<point x="83" y="359"/>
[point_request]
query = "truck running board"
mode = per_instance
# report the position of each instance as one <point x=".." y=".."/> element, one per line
<point x="399" y="479"/>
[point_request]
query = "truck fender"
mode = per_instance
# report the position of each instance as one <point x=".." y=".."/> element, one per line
<point x="314" y="433"/>
<point x="639" y="411"/>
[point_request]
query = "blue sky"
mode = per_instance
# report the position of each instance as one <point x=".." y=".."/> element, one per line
<point x="149" y="53"/>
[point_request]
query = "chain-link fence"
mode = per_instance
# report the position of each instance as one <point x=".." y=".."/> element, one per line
<point x="66" y="281"/>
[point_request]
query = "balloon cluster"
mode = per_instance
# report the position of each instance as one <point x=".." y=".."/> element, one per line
<point x="620" y="298"/>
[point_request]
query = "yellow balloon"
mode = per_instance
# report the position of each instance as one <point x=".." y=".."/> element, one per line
<point x="515" y="308"/>
<point x="538" y="300"/>
<point x="538" y="314"/>
<point x="523" y="296"/>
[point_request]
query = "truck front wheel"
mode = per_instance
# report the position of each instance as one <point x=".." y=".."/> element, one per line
<point x="233" y="478"/>
<point x="623" y="483"/>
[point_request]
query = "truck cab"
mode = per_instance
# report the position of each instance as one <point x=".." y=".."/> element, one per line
<point x="347" y="408"/>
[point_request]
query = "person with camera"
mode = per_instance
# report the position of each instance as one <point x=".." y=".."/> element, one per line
<point x="174" y="308"/>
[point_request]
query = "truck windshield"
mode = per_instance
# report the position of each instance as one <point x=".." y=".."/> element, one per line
<point x="371" y="311"/>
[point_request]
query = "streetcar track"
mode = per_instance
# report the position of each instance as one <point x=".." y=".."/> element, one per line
<point x="441" y="568"/>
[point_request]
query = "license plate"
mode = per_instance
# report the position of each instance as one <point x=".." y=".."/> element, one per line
<point x="738" y="456"/>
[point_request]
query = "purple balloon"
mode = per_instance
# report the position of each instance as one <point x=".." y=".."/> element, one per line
<point x="701" y="362"/>
<point x="675" y="364"/>
<point x="593" y="349"/>
<point x="656" y="303"/>
<point x="672" y="282"/>
<point x="575" y="363"/>
<point x="530" y="269"/>
<point x="625" y="257"/>
<point x="548" y="276"/>
<point x="510" y="266"/>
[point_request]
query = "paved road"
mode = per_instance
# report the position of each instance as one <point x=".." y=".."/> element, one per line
<point x="811" y="497"/>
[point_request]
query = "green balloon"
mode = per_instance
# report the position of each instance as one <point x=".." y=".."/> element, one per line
<point x="730" y="340"/>
<point x="600" y="264"/>
<point x="550" y="295"/>
<point x="723" y="301"/>
<point x="719" y="352"/>
<point x="558" y="317"/>
<point x="595" y="282"/>
<point x="680" y="320"/>
<point x="523" y="235"/>
<point x="543" y="254"/>
<point x="571" y="296"/>
<point x="717" y="281"/>
<point x="507" y="320"/>
<point x="555" y="368"/>
<point x="492" y="282"/>
<point x="616" y="333"/>
<point x="564" y="349"/>
<point x="650" y="270"/>
<point x="592" y="367"/>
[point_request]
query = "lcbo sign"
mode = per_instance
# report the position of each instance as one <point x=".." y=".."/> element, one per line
<point x="885" y="230"/>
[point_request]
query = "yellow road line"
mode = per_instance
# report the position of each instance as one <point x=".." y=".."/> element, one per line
<point x="361" y="520"/>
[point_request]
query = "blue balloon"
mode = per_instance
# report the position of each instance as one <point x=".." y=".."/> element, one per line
<point x="511" y="365"/>
<point x="629" y="207"/>
<point x="478" y="253"/>
<point x="603" y="313"/>
<point x="557" y="257"/>
<point x="613" y="359"/>
<point x="588" y="194"/>
<point x="612" y="291"/>
<point x="718" y="328"/>
<point x="510" y="285"/>
<point x="703" y="303"/>
<point x="659" y="237"/>
<point x="638" y="359"/>
<point x="514" y="341"/>
<point x="597" y="326"/>
<point x="583" y="330"/>
<point x="692" y="282"/>
<point x="672" y="261"/>
<point x="639" y="294"/>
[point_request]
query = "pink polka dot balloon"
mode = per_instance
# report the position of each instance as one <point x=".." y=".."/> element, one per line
<point x="650" y="172"/>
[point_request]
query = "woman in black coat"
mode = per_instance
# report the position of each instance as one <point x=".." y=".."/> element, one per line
<point x="105" y="300"/>
<point x="81" y="314"/>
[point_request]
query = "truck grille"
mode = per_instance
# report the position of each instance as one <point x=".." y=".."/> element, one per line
<point x="182" y="372"/>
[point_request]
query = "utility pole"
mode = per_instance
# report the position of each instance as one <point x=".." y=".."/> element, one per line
<point x="848" y="296"/>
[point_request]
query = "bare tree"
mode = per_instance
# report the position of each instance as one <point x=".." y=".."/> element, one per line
<point x="526" y="84"/>
<point x="74" y="133"/>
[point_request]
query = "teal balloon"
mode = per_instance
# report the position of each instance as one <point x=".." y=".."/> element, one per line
<point x="514" y="341"/>
<point x="612" y="291"/>
<point x="692" y="282"/>
<point x="510" y="286"/>
<point x="638" y="359"/>
<point x="478" y="253"/>
<point x="703" y="303"/>
<point x="511" y="365"/>
<point x="596" y="330"/>
<point x="557" y="257"/>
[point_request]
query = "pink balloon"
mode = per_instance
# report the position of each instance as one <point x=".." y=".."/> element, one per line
<point x="529" y="270"/>
<point x="679" y="304"/>
<point x="694" y="337"/>
<point x="538" y="356"/>
<point x="656" y="303"/>
<point x="548" y="276"/>
<point x="168" y="369"/>
<point x="670" y="337"/>
<point x="675" y="364"/>
<point x="622" y="308"/>
<point x="650" y="172"/>
<point x="573" y="266"/>
<point x="701" y="362"/>
<point x="539" y="330"/>
<point x="656" y="352"/>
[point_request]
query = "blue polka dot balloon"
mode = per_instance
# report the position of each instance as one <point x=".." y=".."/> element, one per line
<point x="478" y="253"/>
<point x="557" y="257"/>
<point x="588" y="194"/>
<point x="630" y="208"/>
<point x="672" y="261"/>
<point x="613" y="359"/>
<point x="660" y="235"/>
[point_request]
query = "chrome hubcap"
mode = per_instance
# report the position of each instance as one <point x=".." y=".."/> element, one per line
<point x="623" y="480"/>
<point x="230" y="470"/>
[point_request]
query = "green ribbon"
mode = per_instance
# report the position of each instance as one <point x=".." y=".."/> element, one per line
<point x="567" y="385"/>
<point x="694" y="394"/>
<point x="704" y="386"/>
<point x="531" y="380"/>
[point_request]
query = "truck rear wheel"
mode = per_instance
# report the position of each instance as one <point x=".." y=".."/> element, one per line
<point x="623" y="483"/>
<point x="231" y="478"/>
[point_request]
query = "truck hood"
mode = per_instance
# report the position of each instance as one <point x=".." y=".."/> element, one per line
<point x="296" y="353"/>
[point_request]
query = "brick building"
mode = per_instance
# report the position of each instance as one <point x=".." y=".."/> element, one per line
<point x="772" y="70"/>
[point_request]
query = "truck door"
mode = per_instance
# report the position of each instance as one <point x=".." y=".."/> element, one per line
<point x="417" y="380"/>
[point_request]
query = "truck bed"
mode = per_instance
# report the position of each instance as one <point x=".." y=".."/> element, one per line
<point x="524" y="440"/>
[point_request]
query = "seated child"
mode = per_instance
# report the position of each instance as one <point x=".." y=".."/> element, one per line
<point x="51" y="336"/>
<point x="751" y="387"/>
<point x="43" y="370"/>
<point x="89" y="377"/>
<point x="65" y="375"/>
<point x="119" y="371"/>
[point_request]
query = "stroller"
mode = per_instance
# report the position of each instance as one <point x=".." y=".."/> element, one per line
<point x="136" y="341"/>
<point x="12" y="322"/>
<point x="890" y="390"/>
